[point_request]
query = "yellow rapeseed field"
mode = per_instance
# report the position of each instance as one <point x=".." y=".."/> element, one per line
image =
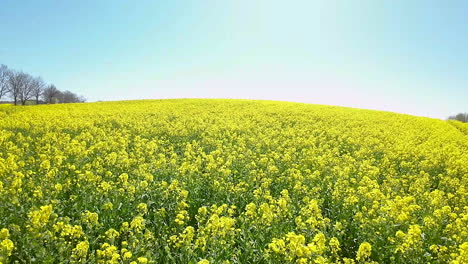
<point x="230" y="181"/>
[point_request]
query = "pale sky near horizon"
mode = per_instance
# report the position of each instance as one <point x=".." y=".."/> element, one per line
<point x="402" y="56"/>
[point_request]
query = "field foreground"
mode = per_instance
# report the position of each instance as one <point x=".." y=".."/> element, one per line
<point x="230" y="181"/>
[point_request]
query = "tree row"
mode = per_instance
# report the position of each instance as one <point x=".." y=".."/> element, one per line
<point x="23" y="88"/>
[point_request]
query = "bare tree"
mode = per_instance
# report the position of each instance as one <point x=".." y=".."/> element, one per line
<point x="38" y="88"/>
<point x="50" y="94"/>
<point x="4" y="85"/>
<point x="59" y="97"/>
<point x="27" y="88"/>
<point x="20" y="86"/>
<point x="16" y="82"/>
<point x="462" y="117"/>
<point x="68" y="97"/>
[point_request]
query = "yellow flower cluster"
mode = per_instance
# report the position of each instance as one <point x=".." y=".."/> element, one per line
<point x="364" y="251"/>
<point x="80" y="252"/>
<point x="40" y="217"/>
<point x="230" y="181"/>
<point x="6" y="245"/>
<point x="408" y="241"/>
<point x="293" y="248"/>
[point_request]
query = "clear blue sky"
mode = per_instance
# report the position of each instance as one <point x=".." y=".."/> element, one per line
<point x="401" y="56"/>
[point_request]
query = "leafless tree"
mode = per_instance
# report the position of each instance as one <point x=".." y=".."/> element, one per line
<point x="27" y="88"/>
<point x="50" y="94"/>
<point x="20" y="86"/>
<point x="38" y="88"/>
<point x="4" y="83"/>
<point x="17" y="81"/>
<point x="68" y="97"/>
<point x="462" y="117"/>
